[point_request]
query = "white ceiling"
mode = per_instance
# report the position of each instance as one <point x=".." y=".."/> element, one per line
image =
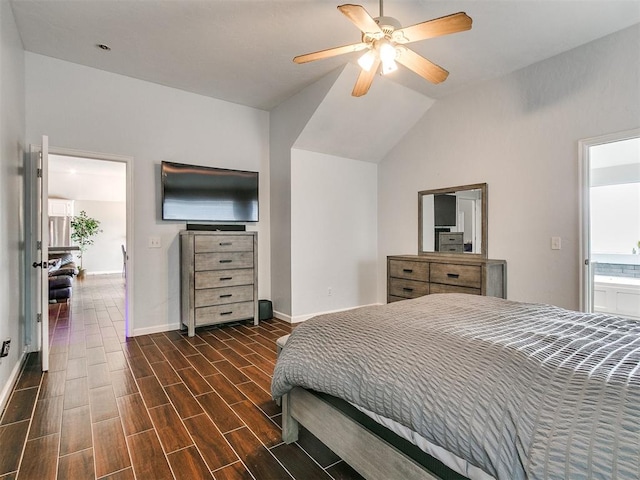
<point x="80" y="178"/>
<point x="240" y="51"/>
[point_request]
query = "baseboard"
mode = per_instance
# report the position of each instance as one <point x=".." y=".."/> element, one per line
<point x="155" y="329"/>
<point x="302" y="318"/>
<point x="106" y="272"/>
<point x="13" y="378"/>
<point x="282" y="316"/>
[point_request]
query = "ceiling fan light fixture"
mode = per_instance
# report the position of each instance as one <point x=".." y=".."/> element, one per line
<point x="366" y="61"/>
<point x="389" y="66"/>
<point x="383" y="38"/>
<point x="387" y="52"/>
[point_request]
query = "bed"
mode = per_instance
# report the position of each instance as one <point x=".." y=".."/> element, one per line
<point x="494" y="389"/>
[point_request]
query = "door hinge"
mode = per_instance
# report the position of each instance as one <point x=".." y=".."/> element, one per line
<point x="39" y="317"/>
<point x="38" y="245"/>
<point x="39" y="173"/>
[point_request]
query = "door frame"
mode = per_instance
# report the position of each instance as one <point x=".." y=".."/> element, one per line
<point x="584" y="167"/>
<point x="129" y="242"/>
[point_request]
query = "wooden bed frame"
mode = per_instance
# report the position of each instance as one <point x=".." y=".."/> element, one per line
<point x="369" y="454"/>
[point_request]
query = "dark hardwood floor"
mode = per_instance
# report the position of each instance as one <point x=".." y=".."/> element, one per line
<point x="158" y="406"/>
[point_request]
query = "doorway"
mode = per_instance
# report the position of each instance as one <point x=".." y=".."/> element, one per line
<point x="610" y="217"/>
<point x="103" y="163"/>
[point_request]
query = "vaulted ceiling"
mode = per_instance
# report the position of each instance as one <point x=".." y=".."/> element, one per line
<point x="241" y="51"/>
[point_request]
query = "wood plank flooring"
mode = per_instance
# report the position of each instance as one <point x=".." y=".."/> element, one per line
<point x="160" y="406"/>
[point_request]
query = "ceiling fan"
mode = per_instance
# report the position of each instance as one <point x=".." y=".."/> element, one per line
<point x="384" y="41"/>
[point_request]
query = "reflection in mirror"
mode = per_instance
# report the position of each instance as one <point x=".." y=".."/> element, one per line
<point x="453" y="220"/>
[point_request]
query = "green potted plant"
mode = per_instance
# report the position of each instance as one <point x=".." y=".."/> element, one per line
<point x="83" y="229"/>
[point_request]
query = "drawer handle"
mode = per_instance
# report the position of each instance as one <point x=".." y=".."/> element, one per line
<point x="407" y="289"/>
<point x="226" y="313"/>
<point x="226" y="296"/>
<point x="453" y="275"/>
<point x="226" y="261"/>
<point x="407" y="270"/>
<point x="225" y="244"/>
<point x="226" y="278"/>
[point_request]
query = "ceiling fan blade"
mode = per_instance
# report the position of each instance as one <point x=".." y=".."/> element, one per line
<point x="330" y="52"/>
<point x="365" y="79"/>
<point x="360" y="18"/>
<point x="458" y="22"/>
<point x="420" y="65"/>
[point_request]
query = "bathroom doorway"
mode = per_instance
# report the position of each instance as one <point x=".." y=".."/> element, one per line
<point x="610" y="250"/>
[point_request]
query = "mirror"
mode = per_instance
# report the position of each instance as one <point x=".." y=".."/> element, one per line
<point x="453" y="220"/>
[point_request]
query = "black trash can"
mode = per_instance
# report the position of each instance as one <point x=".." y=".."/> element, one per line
<point x="265" y="309"/>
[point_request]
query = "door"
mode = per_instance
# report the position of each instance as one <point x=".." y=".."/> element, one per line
<point x="41" y="247"/>
<point x="610" y="219"/>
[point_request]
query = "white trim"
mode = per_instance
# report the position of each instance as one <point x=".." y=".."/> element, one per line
<point x="302" y="318"/>
<point x="282" y="316"/>
<point x="5" y="394"/>
<point x="156" y="329"/>
<point x="584" y="167"/>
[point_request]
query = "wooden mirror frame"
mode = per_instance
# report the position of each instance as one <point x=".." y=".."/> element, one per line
<point x="484" y="223"/>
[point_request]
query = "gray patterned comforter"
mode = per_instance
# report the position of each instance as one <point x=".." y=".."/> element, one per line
<point x="522" y="391"/>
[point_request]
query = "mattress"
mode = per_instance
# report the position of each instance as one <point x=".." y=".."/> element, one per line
<point x="518" y="391"/>
<point x="449" y="459"/>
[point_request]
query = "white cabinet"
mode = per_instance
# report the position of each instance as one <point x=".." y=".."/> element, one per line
<point x="59" y="207"/>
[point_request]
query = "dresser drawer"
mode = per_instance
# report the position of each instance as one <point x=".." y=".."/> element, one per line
<point x="223" y="261"/>
<point x="450" y="238"/>
<point x="223" y="278"/>
<point x="223" y="313"/>
<point x="224" y="295"/>
<point x="460" y="275"/>
<point x="409" y="270"/>
<point x="407" y="288"/>
<point x="450" y="248"/>
<point x="223" y="243"/>
<point x="442" y="288"/>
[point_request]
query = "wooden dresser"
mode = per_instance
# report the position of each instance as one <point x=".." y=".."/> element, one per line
<point x="411" y="276"/>
<point x="218" y="277"/>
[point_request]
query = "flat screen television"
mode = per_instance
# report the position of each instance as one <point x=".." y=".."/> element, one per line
<point x="207" y="194"/>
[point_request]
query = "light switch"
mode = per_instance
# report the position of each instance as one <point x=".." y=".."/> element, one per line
<point x="556" y="243"/>
<point x="155" y="242"/>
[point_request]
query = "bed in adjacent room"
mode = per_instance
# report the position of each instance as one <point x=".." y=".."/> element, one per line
<point x="492" y="388"/>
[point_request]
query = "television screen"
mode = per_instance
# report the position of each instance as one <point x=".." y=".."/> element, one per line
<point x="195" y="193"/>
<point x="445" y="207"/>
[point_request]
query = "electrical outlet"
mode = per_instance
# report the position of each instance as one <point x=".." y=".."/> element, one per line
<point x="5" y="348"/>
<point x="329" y="291"/>
<point x="155" y="242"/>
<point x="556" y="243"/>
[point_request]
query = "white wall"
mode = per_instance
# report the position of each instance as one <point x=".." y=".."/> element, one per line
<point x="286" y="121"/>
<point x="94" y="111"/>
<point x="103" y="196"/>
<point x="520" y="134"/>
<point x="333" y="233"/>
<point x="615" y="219"/>
<point x="12" y="232"/>
<point x="105" y="255"/>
